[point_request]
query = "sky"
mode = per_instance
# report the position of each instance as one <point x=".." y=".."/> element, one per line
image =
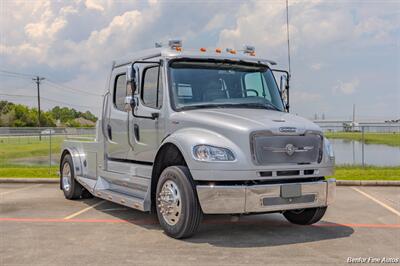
<point x="342" y="52"/>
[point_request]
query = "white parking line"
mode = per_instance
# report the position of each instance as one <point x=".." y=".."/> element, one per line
<point x="84" y="210"/>
<point x="377" y="201"/>
<point x="19" y="189"/>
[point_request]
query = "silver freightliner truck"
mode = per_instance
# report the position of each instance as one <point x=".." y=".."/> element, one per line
<point x="190" y="132"/>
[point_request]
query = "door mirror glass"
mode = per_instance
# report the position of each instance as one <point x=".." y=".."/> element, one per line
<point x="283" y="88"/>
<point x="282" y="76"/>
<point x="131" y="79"/>
<point x="127" y="103"/>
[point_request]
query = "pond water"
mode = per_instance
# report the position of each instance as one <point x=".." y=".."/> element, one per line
<point x="350" y="152"/>
<point x="39" y="160"/>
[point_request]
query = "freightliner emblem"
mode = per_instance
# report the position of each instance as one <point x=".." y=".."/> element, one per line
<point x="287" y="129"/>
<point x="289" y="149"/>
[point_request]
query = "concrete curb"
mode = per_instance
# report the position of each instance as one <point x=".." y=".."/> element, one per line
<point x="391" y="183"/>
<point x="385" y="183"/>
<point x="30" y="180"/>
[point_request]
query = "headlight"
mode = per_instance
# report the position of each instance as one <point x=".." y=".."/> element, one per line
<point x="209" y="153"/>
<point x="329" y="148"/>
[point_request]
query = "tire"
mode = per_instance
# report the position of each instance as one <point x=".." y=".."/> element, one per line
<point x="305" y="216"/>
<point x="71" y="188"/>
<point x="177" y="206"/>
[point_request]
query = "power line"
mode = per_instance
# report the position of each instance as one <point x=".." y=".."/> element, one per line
<point x="70" y="88"/>
<point x="54" y="83"/>
<point x="14" y="76"/>
<point x="48" y="99"/>
<point x="16" y="73"/>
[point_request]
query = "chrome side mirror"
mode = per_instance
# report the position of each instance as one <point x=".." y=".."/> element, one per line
<point x="131" y="79"/>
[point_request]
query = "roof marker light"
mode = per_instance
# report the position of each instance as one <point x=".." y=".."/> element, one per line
<point x="230" y="50"/>
<point x="203" y="49"/>
<point x="218" y="50"/>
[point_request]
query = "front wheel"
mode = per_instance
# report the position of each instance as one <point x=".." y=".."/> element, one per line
<point x="178" y="209"/>
<point x="305" y="216"/>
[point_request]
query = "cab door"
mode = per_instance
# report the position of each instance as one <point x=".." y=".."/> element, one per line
<point x="117" y="146"/>
<point x="147" y="121"/>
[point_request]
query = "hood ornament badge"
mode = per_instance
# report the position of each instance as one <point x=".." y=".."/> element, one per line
<point x="289" y="149"/>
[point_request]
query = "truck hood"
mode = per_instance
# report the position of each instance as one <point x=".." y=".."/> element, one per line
<point x="242" y="119"/>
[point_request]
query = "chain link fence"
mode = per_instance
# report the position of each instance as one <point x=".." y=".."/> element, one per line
<point x="354" y="145"/>
<point x="37" y="147"/>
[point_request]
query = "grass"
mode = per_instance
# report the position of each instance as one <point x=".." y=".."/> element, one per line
<point x="367" y="173"/>
<point x="15" y="148"/>
<point x="341" y="173"/>
<point x="25" y="172"/>
<point x="391" y="139"/>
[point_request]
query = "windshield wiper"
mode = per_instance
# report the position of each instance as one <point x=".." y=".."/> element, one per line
<point x="269" y="106"/>
<point x="233" y="105"/>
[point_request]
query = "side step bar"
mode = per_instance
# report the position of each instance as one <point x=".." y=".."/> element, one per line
<point x="120" y="198"/>
<point x="100" y="189"/>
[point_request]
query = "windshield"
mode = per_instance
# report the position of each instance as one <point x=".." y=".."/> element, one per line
<point x="223" y="84"/>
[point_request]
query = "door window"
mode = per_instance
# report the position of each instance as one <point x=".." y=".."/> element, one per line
<point x="152" y="87"/>
<point x="120" y="92"/>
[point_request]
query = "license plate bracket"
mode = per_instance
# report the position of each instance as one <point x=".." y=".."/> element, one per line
<point x="290" y="190"/>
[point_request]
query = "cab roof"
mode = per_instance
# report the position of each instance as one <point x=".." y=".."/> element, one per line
<point x="171" y="53"/>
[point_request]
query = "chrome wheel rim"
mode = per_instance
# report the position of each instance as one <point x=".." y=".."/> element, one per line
<point x="66" y="177"/>
<point x="169" y="202"/>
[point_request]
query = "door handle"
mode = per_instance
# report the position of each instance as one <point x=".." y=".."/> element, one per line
<point x="136" y="131"/>
<point x="109" y="132"/>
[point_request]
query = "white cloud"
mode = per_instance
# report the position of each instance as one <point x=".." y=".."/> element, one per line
<point x="94" y="4"/>
<point x="215" y="22"/>
<point x="347" y="87"/>
<point x="81" y="37"/>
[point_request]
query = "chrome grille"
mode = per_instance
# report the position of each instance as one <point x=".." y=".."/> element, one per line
<point x="286" y="149"/>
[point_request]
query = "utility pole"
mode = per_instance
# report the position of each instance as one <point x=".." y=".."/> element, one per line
<point x="37" y="81"/>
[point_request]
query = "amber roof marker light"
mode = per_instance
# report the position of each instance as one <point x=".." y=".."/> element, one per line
<point x="231" y="51"/>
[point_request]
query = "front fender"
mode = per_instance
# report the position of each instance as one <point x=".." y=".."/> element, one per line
<point x="185" y="139"/>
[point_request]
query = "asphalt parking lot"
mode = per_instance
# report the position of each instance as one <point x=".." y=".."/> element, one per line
<point x="38" y="226"/>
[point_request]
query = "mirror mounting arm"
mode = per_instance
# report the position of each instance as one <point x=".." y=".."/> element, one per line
<point x="133" y="101"/>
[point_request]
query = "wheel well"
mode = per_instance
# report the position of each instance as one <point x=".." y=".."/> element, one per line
<point x="168" y="155"/>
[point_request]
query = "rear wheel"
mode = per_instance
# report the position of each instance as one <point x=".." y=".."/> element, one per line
<point x="305" y="216"/>
<point x="71" y="188"/>
<point x="178" y="209"/>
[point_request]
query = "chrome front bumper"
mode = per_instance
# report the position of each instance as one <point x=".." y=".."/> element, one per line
<point x="263" y="198"/>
